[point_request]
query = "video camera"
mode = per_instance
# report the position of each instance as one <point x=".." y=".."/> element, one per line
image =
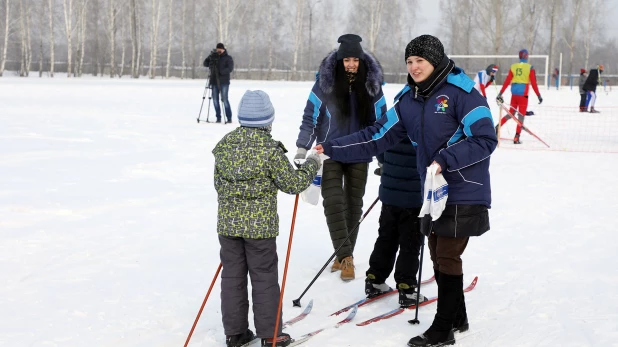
<point x="213" y="59"/>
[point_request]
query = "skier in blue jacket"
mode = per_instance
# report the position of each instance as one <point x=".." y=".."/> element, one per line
<point x="450" y="124"/>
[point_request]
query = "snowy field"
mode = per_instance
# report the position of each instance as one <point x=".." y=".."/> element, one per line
<point x="108" y="212"/>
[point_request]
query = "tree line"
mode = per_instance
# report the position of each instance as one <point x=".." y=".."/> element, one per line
<point x="282" y="39"/>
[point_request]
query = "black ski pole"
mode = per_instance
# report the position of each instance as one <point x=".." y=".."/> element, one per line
<point x="297" y="301"/>
<point x="418" y="293"/>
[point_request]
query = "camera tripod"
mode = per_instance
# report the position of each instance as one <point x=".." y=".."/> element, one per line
<point x="208" y="91"/>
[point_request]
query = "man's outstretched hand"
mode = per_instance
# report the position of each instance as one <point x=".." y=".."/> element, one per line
<point x="319" y="149"/>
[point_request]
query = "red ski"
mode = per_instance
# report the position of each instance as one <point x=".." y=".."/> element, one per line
<point x="366" y="301"/>
<point x="398" y="311"/>
<point x="508" y="112"/>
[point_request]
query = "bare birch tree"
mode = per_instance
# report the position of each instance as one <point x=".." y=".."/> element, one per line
<point x="224" y="11"/>
<point x="83" y="26"/>
<point x="574" y="24"/>
<point x="154" y="37"/>
<point x="123" y="46"/>
<point x="135" y="42"/>
<point x="68" y="27"/>
<point x="26" y="48"/>
<point x="112" y="28"/>
<point x="7" y="32"/>
<point x="553" y="18"/>
<point x="531" y="17"/>
<point x="375" y="19"/>
<point x="594" y="9"/>
<point x="169" y="38"/>
<point x="298" y="34"/>
<point x="182" y="41"/>
<point x="52" y="44"/>
<point x="270" y="38"/>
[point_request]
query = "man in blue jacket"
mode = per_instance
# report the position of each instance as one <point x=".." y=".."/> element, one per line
<point x="451" y="125"/>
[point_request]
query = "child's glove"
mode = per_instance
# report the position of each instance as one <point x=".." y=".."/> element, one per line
<point x="316" y="158"/>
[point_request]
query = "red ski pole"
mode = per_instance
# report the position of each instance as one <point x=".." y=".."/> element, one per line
<point x="285" y="273"/>
<point x="203" y="304"/>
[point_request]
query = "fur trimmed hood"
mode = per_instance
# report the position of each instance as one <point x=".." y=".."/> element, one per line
<point x="326" y="74"/>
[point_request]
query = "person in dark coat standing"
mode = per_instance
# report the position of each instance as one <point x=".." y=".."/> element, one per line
<point x="452" y="127"/>
<point x="221" y="66"/>
<point x="346" y="98"/>
<point x="590" y="86"/>
<point x="582" y="92"/>
<point x="401" y="196"/>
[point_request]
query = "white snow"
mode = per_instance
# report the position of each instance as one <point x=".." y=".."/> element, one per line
<point x="107" y="219"/>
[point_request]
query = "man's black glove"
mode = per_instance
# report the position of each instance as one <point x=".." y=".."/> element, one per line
<point x="499" y="99"/>
<point x="540" y="100"/>
<point x="492" y="78"/>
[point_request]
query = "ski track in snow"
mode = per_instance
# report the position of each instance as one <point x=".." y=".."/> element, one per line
<point x="108" y="214"/>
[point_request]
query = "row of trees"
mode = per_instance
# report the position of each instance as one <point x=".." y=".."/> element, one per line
<point x="575" y="28"/>
<point x="171" y="37"/>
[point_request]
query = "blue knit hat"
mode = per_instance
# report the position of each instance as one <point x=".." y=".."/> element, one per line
<point x="255" y="109"/>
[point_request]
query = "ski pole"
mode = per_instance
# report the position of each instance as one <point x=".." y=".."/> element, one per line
<point x="418" y="293"/>
<point x="203" y="304"/>
<point x="285" y="273"/>
<point x="297" y="301"/>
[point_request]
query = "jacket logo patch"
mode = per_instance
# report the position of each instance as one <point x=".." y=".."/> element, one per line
<point x="441" y="104"/>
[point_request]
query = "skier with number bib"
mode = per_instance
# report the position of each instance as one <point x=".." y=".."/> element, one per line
<point x="521" y="76"/>
<point x="250" y="168"/>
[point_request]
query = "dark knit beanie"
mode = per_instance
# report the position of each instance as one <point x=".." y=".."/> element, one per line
<point x="220" y="45"/>
<point x="350" y="47"/>
<point x="427" y="47"/>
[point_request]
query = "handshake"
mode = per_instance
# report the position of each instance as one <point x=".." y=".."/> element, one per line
<point x="301" y="153"/>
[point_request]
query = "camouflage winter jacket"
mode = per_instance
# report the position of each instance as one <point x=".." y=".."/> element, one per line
<point x="250" y="168"/>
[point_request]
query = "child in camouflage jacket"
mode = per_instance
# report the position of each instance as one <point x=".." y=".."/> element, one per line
<point x="250" y="168"/>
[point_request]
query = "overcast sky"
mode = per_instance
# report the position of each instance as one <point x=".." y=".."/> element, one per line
<point x="429" y="18"/>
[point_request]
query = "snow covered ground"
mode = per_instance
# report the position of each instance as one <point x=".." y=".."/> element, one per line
<point x="107" y="226"/>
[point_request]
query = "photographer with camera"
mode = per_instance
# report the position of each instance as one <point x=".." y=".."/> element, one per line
<point x="221" y="66"/>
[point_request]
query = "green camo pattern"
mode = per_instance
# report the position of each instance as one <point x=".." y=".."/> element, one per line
<point x="250" y="168"/>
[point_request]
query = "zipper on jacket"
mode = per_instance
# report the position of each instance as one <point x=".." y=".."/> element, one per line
<point x="415" y="91"/>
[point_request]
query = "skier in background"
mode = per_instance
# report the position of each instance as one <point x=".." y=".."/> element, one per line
<point x="582" y="92"/>
<point x="590" y="86"/>
<point x="522" y="75"/>
<point x="484" y="78"/>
